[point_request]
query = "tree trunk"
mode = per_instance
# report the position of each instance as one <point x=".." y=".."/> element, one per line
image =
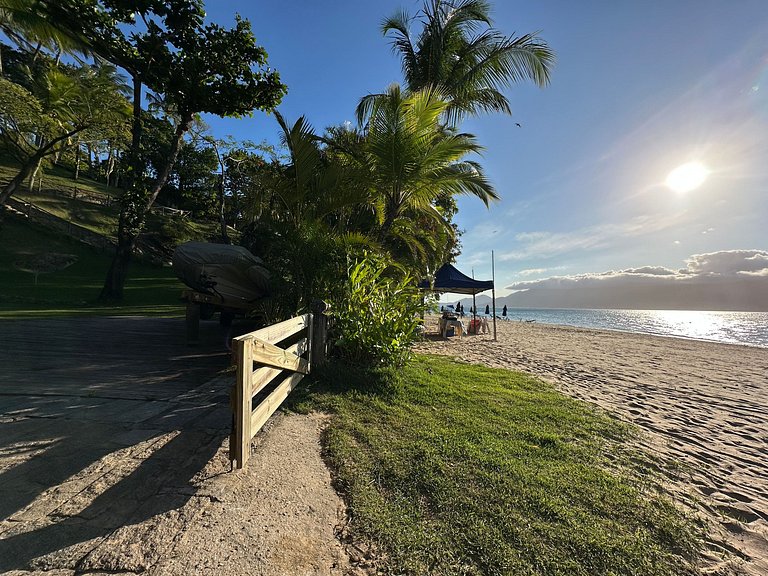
<point x="31" y="164"/>
<point x="16" y="182"/>
<point x="77" y="160"/>
<point x="222" y="219"/>
<point x="118" y="269"/>
<point x="128" y="225"/>
<point x="89" y="152"/>
<point x="162" y="177"/>
<point x="110" y="165"/>
<point x="134" y="210"/>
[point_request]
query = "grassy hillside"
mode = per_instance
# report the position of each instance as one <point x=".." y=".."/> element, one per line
<point x="25" y="247"/>
<point x="151" y="290"/>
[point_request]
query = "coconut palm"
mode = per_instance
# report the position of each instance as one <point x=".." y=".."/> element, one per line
<point x="24" y="24"/>
<point x="412" y="160"/>
<point x="459" y="52"/>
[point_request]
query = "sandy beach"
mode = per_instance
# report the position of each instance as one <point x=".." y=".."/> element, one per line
<point x="703" y="407"/>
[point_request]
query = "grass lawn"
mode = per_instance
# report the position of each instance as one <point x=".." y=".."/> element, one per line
<point x="450" y="469"/>
<point x="58" y="178"/>
<point x="150" y="290"/>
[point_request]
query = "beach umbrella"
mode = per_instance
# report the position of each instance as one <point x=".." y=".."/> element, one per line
<point x="487" y="309"/>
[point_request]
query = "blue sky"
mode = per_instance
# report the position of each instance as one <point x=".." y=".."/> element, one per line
<point x="639" y="88"/>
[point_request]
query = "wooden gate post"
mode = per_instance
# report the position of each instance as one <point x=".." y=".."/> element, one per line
<point x="319" y="333"/>
<point x="243" y="398"/>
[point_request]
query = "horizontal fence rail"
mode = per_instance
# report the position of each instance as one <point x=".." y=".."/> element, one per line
<point x="266" y="374"/>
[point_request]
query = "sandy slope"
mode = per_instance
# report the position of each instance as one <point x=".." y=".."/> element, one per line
<point x="704" y="406"/>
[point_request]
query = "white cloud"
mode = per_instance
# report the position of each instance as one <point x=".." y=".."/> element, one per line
<point x="537" y="271"/>
<point x="713" y="266"/>
<point x="762" y="272"/>
<point x="727" y="262"/>
<point x="540" y="244"/>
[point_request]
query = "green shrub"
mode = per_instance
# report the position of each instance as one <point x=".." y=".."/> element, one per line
<point x="377" y="319"/>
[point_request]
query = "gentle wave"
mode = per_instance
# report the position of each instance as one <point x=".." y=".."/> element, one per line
<point x="750" y="328"/>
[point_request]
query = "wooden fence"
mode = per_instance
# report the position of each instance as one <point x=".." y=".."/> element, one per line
<point x="267" y="373"/>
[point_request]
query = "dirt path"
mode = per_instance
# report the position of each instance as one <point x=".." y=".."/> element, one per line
<point x="278" y="516"/>
<point x="113" y="459"/>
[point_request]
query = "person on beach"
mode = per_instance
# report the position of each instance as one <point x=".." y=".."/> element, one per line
<point x="504" y="311"/>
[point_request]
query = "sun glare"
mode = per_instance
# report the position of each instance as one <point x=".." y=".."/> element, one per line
<point x="687" y="177"/>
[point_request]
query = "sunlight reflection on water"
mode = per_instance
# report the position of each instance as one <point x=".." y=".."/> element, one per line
<point x="730" y="327"/>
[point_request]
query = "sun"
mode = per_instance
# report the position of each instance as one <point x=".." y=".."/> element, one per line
<point x="687" y="177"/>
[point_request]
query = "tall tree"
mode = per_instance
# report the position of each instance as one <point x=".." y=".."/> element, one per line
<point x="459" y="52"/>
<point x="165" y="45"/>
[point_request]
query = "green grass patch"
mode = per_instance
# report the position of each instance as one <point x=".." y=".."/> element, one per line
<point x="457" y="469"/>
<point x="57" y="178"/>
<point x="150" y="290"/>
<point x="95" y="217"/>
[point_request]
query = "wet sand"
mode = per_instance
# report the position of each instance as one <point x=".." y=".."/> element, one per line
<point x="702" y="405"/>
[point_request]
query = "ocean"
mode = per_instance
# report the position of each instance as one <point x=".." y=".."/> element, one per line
<point x="750" y="328"/>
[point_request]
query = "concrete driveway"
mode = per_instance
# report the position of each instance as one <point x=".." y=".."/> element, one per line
<point x="104" y="422"/>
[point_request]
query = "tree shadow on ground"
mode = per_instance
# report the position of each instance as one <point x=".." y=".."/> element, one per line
<point x="107" y="428"/>
<point x="159" y="484"/>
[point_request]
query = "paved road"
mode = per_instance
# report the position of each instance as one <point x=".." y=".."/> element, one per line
<point x="103" y="423"/>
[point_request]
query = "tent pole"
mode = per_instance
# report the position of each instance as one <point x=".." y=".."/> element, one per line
<point x="474" y="302"/>
<point x="493" y="293"/>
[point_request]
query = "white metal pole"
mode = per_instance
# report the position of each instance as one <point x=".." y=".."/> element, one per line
<point x="493" y="292"/>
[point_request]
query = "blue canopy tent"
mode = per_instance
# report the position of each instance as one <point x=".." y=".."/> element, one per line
<point x="449" y="279"/>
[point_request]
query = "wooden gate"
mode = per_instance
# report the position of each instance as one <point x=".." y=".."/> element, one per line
<point x="266" y="374"/>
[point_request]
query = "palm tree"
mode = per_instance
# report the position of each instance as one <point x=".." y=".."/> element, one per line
<point x="66" y="103"/>
<point x="458" y="52"/>
<point x="413" y="160"/>
<point x="24" y="24"/>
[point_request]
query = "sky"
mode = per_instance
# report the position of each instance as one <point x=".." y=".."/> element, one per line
<point x="639" y="88"/>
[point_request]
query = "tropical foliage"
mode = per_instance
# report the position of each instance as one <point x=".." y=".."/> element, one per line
<point x="380" y="195"/>
<point x="460" y="53"/>
<point x="413" y="160"/>
<point x="376" y="318"/>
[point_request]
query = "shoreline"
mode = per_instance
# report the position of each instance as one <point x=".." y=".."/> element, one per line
<point x="702" y="406"/>
<point x="467" y="317"/>
<point x="632" y="332"/>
